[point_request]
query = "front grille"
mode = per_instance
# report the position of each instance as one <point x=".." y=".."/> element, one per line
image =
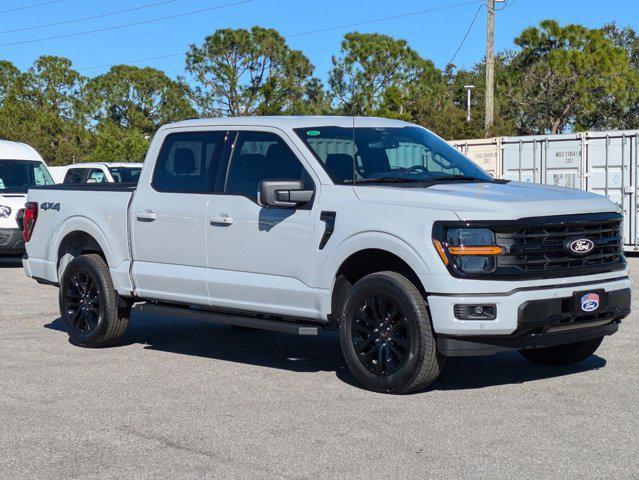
<point x="539" y="247"/>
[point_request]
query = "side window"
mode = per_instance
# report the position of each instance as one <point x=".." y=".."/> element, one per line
<point x="96" y="176"/>
<point x="189" y="162"/>
<point x="262" y="156"/>
<point x="74" y="175"/>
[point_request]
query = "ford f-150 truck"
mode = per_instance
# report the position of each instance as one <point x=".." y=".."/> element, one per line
<point x="375" y="227"/>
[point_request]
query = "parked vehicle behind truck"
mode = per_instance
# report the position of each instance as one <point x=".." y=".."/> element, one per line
<point x="97" y="173"/>
<point x="21" y="167"/>
<point x="374" y="227"/>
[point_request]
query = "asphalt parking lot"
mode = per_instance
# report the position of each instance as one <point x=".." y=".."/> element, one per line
<point x="185" y="399"/>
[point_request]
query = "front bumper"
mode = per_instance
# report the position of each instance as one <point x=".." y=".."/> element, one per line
<point x="11" y="241"/>
<point x="526" y="316"/>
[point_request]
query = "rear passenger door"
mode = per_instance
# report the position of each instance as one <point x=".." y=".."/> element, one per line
<point x="261" y="259"/>
<point x="169" y="229"/>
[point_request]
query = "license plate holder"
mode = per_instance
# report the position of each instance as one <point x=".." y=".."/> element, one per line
<point x="588" y="302"/>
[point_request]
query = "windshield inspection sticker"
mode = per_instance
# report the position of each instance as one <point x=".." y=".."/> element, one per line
<point x="313" y="133"/>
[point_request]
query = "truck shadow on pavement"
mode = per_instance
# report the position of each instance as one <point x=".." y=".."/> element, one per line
<point x="10" y="262"/>
<point x="321" y="353"/>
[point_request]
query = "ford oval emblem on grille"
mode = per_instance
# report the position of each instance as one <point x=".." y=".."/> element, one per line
<point x="581" y="246"/>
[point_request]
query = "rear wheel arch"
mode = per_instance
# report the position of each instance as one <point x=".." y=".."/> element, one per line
<point x="74" y="244"/>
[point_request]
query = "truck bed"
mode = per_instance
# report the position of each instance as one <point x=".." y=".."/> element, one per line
<point x="98" y="210"/>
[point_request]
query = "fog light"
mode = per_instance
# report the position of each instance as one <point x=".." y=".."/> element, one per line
<point x="475" y="312"/>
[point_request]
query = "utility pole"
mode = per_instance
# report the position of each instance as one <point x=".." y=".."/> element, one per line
<point x="490" y="69"/>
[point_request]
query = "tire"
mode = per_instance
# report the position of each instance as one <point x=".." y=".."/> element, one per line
<point x="91" y="311"/>
<point x="409" y="360"/>
<point x="562" y="354"/>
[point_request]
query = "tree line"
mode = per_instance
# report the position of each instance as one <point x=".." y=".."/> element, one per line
<point x="555" y="79"/>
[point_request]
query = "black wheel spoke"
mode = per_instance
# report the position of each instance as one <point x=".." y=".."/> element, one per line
<point x="400" y="341"/>
<point x="88" y="320"/>
<point x="365" y="344"/>
<point x="75" y="317"/>
<point x="82" y="302"/>
<point x="379" y="334"/>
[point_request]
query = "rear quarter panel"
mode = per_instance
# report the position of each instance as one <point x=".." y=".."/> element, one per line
<point x="101" y="214"/>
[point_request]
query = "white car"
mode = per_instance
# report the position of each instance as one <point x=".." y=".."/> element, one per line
<point x="97" y="173"/>
<point x="21" y="167"/>
<point x="375" y="227"/>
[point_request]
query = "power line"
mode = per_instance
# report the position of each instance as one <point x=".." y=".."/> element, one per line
<point x="383" y="19"/>
<point x="30" y="6"/>
<point x="92" y="17"/>
<point x="327" y="29"/>
<point x="125" y="25"/>
<point x="466" y="35"/>
<point x="160" y="57"/>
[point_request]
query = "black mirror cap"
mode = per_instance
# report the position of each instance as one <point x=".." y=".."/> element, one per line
<point x="283" y="193"/>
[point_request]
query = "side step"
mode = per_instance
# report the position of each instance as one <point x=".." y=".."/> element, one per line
<point x="227" y="319"/>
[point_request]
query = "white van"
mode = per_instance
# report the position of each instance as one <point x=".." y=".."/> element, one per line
<point x="97" y="173"/>
<point x="21" y="167"/>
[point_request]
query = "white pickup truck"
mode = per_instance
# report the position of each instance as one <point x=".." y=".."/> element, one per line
<point x="374" y="227"/>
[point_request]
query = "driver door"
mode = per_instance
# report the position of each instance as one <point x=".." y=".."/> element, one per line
<point x="261" y="259"/>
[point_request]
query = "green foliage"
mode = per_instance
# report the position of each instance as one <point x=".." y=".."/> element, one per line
<point x="137" y="98"/>
<point x="562" y="74"/>
<point x="44" y="107"/>
<point x="242" y="72"/>
<point x="8" y="76"/>
<point x="370" y="64"/>
<point x="115" y="144"/>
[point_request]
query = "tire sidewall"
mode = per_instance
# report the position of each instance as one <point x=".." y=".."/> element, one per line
<point x="85" y="265"/>
<point x="379" y="285"/>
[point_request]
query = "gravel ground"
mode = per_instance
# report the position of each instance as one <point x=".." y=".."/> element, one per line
<point x="186" y="399"/>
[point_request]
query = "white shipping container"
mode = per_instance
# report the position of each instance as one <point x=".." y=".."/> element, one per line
<point x="484" y="152"/>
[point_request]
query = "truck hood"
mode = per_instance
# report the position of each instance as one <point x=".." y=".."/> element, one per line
<point x="15" y="201"/>
<point x="492" y="201"/>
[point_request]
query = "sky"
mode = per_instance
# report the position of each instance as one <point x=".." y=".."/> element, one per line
<point x="435" y="33"/>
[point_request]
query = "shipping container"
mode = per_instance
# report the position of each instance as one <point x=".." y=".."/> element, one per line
<point x="484" y="152"/>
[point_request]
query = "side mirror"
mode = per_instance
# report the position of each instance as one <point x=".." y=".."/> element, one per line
<point x="283" y="193"/>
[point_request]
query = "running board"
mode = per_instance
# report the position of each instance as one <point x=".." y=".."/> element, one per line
<point x="227" y="319"/>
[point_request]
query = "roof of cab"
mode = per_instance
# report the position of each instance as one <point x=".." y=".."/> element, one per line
<point x="100" y="164"/>
<point x="292" y="122"/>
<point x="17" y="151"/>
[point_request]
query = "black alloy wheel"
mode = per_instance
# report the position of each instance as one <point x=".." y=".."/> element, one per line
<point x="93" y="313"/>
<point x="386" y="336"/>
<point x="380" y="335"/>
<point x="82" y="302"/>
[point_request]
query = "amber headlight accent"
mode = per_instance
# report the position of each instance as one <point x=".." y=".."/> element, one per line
<point x="469" y="250"/>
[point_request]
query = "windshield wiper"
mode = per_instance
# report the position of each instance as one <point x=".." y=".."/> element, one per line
<point x="384" y="180"/>
<point x="452" y="178"/>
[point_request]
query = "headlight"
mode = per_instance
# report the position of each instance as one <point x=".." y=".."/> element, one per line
<point x="4" y="211"/>
<point x="469" y="250"/>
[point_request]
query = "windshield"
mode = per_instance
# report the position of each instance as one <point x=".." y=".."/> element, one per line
<point x="125" y="174"/>
<point x="397" y="154"/>
<point x="16" y="176"/>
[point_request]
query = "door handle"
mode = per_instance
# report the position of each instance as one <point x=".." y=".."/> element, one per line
<point x="146" y="216"/>
<point x="222" y="219"/>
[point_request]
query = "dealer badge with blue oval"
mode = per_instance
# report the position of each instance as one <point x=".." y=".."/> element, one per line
<point x="589" y="302"/>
